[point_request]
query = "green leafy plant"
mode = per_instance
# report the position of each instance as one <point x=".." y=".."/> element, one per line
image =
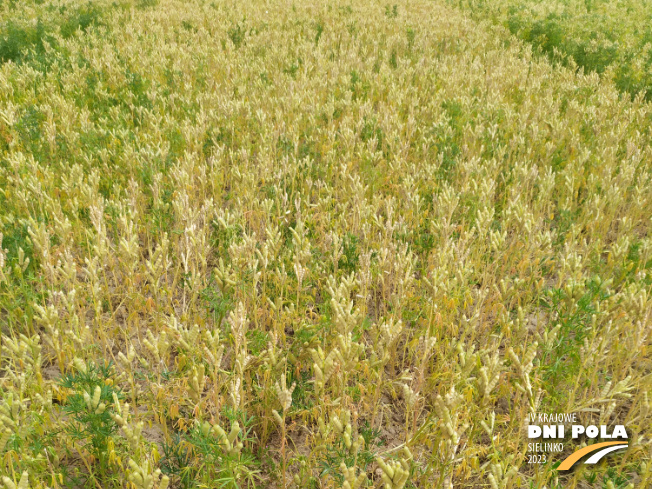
<point x="89" y="407"/>
<point x="220" y="457"/>
<point x="346" y="450"/>
<point x="237" y="35"/>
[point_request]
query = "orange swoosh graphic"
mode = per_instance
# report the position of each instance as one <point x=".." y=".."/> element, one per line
<point x="574" y="457"/>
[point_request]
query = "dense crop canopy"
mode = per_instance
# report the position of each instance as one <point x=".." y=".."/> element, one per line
<point x="614" y="38"/>
<point x="313" y="244"/>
